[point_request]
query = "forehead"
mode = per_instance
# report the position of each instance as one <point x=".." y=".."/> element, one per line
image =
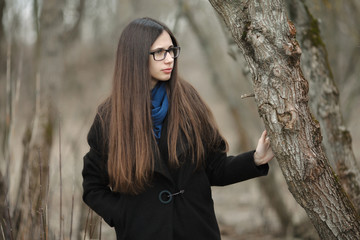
<point x="163" y="41"/>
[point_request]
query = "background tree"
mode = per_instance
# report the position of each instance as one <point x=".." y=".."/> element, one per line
<point x="324" y="100"/>
<point x="267" y="39"/>
<point x="31" y="219"/>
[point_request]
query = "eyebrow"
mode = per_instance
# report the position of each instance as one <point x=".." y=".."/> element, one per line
<point x="156" y="49"/>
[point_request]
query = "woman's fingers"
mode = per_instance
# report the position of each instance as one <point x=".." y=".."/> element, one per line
<point x="264" y="135"/>
<point x="263" y="152"/>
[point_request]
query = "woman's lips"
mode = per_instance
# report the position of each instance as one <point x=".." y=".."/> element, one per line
<point x="167" y="70"/>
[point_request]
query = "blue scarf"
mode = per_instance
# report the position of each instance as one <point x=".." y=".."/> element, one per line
<point x="160" y="105"/>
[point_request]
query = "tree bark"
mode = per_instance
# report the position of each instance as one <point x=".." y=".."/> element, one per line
<point x="32" y="218"/>
<point x="267" y="39"/>
<point x="302" y="229"/>
<point x="324" y="100"/>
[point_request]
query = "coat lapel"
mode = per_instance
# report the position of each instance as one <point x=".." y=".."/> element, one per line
<point x="161" y="163"/>
<point x="161" y="168"/>
<point x="161" y="160"/>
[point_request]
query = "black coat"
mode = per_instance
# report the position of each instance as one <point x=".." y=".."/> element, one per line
<point x="177" y="205"/>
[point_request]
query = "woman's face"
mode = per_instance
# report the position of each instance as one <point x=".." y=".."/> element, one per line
<point x="161" y="70"/>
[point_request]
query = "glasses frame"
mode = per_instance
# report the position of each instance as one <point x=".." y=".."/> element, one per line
<point x="166" y="52"/>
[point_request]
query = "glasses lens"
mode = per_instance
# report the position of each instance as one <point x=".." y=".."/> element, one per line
<point x="159" y="55"/>
<point x="174" y="52"/>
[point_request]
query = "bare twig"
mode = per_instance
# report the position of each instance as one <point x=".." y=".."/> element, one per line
<point x="247" y="95"/>
<point x="47" y="225"/>
<point x="8" y="111"/>
<point x="60" y="175"/>
<point x="18" y="85"/>
<point x="86" y="223"/>
<point x="99" y="229"/>
<point x="42" y="226"/>
<point x="47" y="196"/>
<point x="2" y="231"/>
<point x="9" y="218"/>
<point x="13" y="94"/>
<point x="72" y="212"/>
<point x="91" y="225"/>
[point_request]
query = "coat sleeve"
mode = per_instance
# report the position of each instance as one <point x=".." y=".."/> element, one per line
<point x="224" y="170"/>
<point x="96" y="192"/>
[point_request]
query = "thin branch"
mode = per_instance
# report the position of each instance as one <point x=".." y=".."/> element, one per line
<point x="100" y="229"/>
<point x="2" y="231"/>
<point x="9" y="217"/>
<point x="247" y="95"/>
<point x="86" y="223"/>
<point x="60" y="175"/>
<point x="42" y="225"/>
<point x="8" y="111"/>
<point x="72" y="213"/>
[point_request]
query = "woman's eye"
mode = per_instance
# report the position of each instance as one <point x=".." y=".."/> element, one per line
<point x="160" y="51"/>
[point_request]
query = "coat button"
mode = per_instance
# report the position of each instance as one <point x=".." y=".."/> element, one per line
<point x="165" y="196"/>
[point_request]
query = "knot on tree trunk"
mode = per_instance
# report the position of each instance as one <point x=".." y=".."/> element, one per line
<point x="288" y="117"/>
<point x="292" y="29"/>
<point x="293" y="50"/>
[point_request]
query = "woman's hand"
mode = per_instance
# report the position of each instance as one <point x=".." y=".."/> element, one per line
<point x="263" y="153"/>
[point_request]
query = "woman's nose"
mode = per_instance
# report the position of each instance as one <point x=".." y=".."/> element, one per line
<point x="168" y="58"/>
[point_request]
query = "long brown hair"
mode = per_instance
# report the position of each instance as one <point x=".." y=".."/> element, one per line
<point x="132" y="148"/>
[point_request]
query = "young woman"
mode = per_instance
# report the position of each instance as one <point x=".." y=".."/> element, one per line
<point x="155" y="149"/>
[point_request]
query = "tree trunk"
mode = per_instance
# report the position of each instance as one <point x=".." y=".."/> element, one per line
<point x="32" y="218"/>
<point x="74" y="33"/>
<point x="324" y="100"/>
<point x="267" y="39"/>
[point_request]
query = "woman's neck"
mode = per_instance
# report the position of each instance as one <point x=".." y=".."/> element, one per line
<point x="153" y="83"/>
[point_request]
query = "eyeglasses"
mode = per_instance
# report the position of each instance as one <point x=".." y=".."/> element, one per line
<point x="160" y="54"/>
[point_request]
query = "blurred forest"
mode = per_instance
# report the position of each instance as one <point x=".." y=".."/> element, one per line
<point x="56" y="66"/>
